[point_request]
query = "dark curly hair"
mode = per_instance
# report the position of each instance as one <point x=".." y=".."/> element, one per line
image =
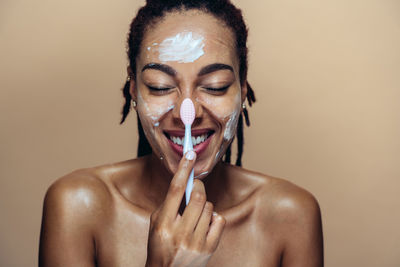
<point x="150" y="14"/>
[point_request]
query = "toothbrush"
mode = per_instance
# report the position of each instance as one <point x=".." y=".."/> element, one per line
<point x="187" y="113"/>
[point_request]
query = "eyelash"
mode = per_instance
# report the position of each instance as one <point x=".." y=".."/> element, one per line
<point x="159" y="88"/>
<point x="220" y="89"/>
<point x="164" y="89"/>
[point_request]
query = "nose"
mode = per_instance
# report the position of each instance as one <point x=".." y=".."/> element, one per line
<point x="197" y="108"/>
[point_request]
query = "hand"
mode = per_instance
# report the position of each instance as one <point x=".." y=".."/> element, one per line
<point x="188" y="239"/>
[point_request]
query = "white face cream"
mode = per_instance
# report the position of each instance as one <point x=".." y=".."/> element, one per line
<point x="231" y="126"/>
<point x="155" y="112"/>
<point x="150" y="114"/>
<point x="233" y="119"/>
<point x="184" y="47"/>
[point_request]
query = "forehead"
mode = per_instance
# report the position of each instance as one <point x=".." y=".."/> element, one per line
<point x="218" y="39"/>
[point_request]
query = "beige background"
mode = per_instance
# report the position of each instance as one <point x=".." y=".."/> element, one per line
<point x="327" y="79"/>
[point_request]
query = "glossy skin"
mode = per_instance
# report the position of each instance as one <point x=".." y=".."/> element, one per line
<point x="126" y="214"/>
<point x="213" y="108"/>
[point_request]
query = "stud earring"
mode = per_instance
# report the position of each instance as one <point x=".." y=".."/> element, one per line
<point x="134" y="104"/>
<point x="246" y="114"/>
<point x="128" y="79"/>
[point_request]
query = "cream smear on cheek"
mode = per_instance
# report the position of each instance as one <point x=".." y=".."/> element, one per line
<point x="230" y="126"/>
<point x="155" y="112"/>
<point x="229" y="114"/>
<point x="182" y="48"/>
<point x="150" y="114"/>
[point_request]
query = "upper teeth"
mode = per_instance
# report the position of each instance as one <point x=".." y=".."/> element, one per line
<point x="195" y="140"/>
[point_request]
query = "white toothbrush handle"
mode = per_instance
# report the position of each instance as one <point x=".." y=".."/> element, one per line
<point x="188" y="145"/>
<point x="189" y="187"/>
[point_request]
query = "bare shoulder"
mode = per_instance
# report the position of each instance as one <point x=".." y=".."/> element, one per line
<point x="279" y="200"/>
<point x="74" y="208"/>
<point x="90" y="192"/>
<point x="81" y="193"/>
<point x="287" y="214"/>
<point x="289" y="201"/>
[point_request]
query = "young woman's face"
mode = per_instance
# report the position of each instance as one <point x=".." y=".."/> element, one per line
<point x="188" y="55"/>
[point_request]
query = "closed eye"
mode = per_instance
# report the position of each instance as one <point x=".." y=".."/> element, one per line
<point x="218" y="89"/>
<point x="152" y="88"/>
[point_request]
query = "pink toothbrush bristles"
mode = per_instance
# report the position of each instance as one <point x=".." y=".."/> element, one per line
<point x="187" y="111"/>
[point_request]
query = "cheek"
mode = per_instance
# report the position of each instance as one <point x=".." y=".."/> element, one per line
<point x="226" y="110"/>
<point x="230" y="125"/>
<point x="152" y="109"/>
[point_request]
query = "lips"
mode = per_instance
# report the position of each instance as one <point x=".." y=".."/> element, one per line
<point x="200" y="139"/>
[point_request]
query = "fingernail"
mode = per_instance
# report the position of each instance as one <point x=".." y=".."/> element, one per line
<point x="190" y="155"/>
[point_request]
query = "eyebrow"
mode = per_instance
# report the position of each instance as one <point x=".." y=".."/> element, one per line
<point x="161" y="67"/>
<point x="214" y="67"/>
<point x="205" y="70"/>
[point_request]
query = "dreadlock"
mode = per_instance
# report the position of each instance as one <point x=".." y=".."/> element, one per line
<point x="149" y="15"/>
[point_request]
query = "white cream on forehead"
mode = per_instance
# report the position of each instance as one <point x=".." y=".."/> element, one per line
<point x="183" y="48"/>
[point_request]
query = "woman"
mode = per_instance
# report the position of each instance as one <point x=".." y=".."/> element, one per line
<point x="130" y="213"/>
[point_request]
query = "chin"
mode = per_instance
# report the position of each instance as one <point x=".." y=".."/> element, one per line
<point x="202" y="168"/>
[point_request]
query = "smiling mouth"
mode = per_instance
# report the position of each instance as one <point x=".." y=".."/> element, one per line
<point x="200" y="140"/>
<point x="195" y="139"/>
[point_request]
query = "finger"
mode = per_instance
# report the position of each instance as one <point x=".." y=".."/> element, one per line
<point x="215" y="232"/>
<point x="177" y="186"/>
<point x="203" y="225"/>
<point x="192" y="212"/>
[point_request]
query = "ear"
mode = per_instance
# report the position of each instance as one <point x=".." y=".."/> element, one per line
<point x="132" y="87"/>
<point x="244" y="91"/>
